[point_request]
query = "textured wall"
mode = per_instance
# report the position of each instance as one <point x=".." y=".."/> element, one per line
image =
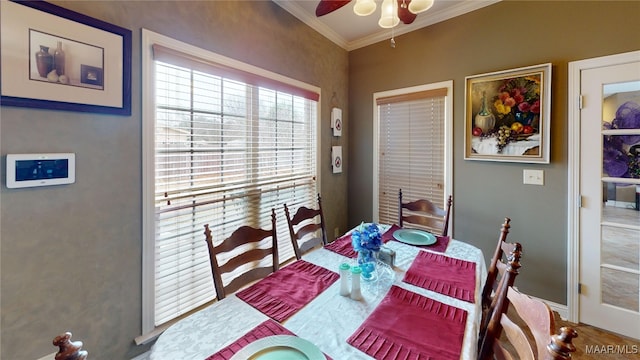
<point x="503" y="36"/>
<point x="71" y="255"/>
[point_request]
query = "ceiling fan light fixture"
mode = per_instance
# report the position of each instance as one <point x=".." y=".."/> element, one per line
<point x="418" y="6"/>
<point x="389" y="16"/>
<point x="364" y="7"/>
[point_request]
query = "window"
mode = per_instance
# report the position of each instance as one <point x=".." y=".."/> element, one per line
<point x="224" y="144"/>
<point x="412" y="138"/>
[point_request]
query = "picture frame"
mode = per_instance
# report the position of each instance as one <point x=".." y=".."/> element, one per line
<point x="336" y="159"/>
<point x="507" y="115"/>
<point x="55" y="58"/>
<point x="91" y="75"/>
<point x="336" y="121"/>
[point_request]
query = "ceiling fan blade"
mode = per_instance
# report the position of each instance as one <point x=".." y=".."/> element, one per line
<point x="326" y="6"/>
<point x="404" y="14"/>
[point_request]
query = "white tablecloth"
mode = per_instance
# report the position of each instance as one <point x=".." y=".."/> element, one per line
<point x="489" y="146"/>
<point x="327" y="321"/>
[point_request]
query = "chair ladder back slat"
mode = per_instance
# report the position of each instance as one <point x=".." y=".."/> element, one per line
<point x="426" y="221"/>
<point x="246" y="278"/>
<point x="304" y="213"/>
<point x="490" y="328"/>
<point x="307" y="229"/>
<point x="425" y="213"/>
<point x="517" y="338"/>
<point x="240" y="237"/>
<point x="537" y="315"/>
<point x="304" y="222"/>
<point x="252" y="255"/>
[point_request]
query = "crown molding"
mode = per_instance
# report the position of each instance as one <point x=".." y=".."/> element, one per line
<point x="423" y="20"/>
<point x="312" y="21"/>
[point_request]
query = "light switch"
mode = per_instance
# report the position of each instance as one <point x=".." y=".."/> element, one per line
<point x="533" y="177"/>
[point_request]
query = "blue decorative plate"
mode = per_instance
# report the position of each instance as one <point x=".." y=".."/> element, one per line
<point x="414" y="237"/>
<point x="279" y="347"/>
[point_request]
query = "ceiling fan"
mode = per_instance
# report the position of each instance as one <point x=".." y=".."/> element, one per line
<point x="407" y="10"/>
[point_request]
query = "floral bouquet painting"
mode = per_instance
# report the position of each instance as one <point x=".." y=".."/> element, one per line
<point x="507" y="115"/>
<point x="518" y="102"/>
<point x="366" y="241"/>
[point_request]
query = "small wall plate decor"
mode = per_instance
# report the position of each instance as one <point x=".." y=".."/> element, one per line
<point x="336" y="121"/>
<point x="336" y="159"/>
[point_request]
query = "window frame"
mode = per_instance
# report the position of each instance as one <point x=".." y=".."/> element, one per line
<point x="149" y="330"/>
<point x="448" y="141"/>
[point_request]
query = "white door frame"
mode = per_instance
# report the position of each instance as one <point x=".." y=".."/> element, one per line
<point x="573" y="172"/>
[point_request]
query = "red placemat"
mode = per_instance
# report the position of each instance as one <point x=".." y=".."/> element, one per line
<point x="344" y="247"/>
<point x="267" y="328"/>
<point x="407" y="325"/>
<point x="288" y="290"/>
<point x="444" y="275"/>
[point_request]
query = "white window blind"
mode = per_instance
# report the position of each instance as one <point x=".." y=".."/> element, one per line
<point x="229" y="147"/>
<point x="411" y="148"/>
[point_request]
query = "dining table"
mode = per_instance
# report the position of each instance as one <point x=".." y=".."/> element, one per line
<point x="427" y="305"/>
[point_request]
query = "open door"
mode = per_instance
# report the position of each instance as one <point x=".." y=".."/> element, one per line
<point x="609" y="216"/>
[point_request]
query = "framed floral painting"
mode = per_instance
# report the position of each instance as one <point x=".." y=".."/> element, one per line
<point x="507" y="115"/>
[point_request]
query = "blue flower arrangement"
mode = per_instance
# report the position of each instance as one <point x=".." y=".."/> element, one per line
<point x="366" y="241"/>
<point x="366" y="237"/>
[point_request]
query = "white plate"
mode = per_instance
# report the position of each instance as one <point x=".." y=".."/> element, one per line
<point x="414" y="237"/>
<point x="280" y="347"/>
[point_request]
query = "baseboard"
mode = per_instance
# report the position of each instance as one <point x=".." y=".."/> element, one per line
<point x="143" y="356"/>
<point x="562" y="310"/>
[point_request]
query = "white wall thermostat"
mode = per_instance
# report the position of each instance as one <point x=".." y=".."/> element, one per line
<point x="29" y="170"/>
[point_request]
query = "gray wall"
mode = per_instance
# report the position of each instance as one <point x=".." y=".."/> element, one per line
<point x="503" y="36"/>
<point x="71" y="255"/>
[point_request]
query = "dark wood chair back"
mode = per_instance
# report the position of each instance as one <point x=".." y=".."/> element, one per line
<point x="497" y="265"/>
<point x="425" y="214"/>
<point x="69" y="350"/>
<point x="228" y="248"/>
<point x="306" y="228"/>
<point x="498" y="302"/>
<point x="534" y="317"/>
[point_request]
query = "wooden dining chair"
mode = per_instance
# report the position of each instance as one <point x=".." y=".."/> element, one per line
<point x="242" y="262"/>
<point x="496" y="302"/>
<point x="69" y="350"/>
<point x="532" y="317"/>
<point x="425" y="214"/>
<point x="498" y="264"/>
<point x="306" y="228"/>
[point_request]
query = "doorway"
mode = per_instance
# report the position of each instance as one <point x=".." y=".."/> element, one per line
<point x="604" y="144"/>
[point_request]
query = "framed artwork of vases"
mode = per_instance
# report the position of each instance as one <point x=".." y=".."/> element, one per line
<point x="55" y="58"/>
<point x="507" y="115"/>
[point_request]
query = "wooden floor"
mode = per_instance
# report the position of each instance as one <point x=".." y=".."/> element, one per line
<point x="615" y="346"/>
<point x="597" y="344"/>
